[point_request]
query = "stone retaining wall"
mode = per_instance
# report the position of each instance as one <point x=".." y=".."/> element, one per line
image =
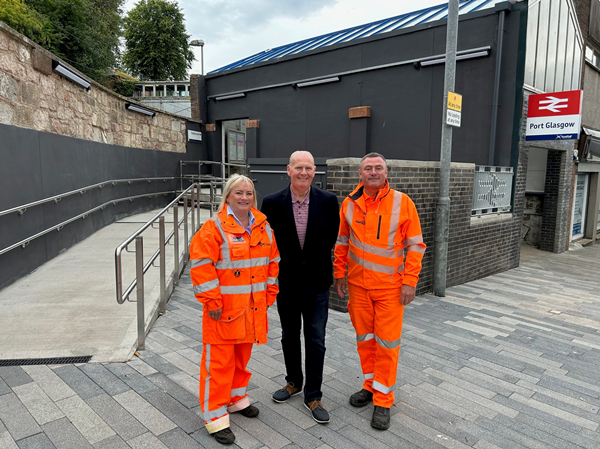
<point x="33" y="96"/>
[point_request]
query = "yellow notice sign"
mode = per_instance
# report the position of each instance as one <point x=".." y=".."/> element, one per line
<point x="454" y="101"/>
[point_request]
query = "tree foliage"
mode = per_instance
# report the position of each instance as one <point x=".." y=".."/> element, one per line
<point x="85" y="33"/>
<point x="124" y="87"/>
<point x="156" y="41"/>
<point x="16" y="14"/>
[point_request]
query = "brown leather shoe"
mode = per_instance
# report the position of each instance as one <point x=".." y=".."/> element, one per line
<point x="317" y="411"/>
<point x="286" y="392"/>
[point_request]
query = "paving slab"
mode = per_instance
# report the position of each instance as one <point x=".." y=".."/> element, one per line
<point x="509" y="361"/>
<point x="16" y="418"/>
<point x="79" y="315"/>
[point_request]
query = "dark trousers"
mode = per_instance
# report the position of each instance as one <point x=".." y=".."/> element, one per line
<point x="312" y="310"/>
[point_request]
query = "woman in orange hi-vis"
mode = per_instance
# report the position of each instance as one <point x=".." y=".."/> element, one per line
<point x="377" y="226"/>
<point x="235" y="264"/>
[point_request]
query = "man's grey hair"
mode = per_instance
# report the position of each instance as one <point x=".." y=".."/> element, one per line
<point x="300" y="151"/>
<point x="373" y="154"/>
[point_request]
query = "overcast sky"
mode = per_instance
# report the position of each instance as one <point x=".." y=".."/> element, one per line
<point x="235" y="29"/>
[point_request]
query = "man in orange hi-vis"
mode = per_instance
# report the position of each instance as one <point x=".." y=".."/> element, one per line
<point x="235" y="263"/>
<point x="377" y="226"/>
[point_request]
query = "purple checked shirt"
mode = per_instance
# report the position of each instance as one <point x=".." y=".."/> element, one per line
<point x="301" y="215"/>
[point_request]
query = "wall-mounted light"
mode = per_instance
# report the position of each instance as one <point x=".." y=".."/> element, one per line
<point x="459" y="57"/>
<point x="70" y="75"/>
<point x="139" y="109"/>
<point x="230" y="97"/>
<point x="333" y="79"/>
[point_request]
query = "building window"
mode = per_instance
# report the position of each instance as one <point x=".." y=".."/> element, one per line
<point x="592" y="56"/>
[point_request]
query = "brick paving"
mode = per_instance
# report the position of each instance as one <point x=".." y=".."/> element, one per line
<point x="509" y="361"/>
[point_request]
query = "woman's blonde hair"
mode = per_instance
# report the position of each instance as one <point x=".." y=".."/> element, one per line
<point x="233" y="181"/>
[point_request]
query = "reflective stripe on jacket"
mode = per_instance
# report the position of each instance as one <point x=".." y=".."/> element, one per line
<point x="237" y="273"/>
<point x="374" y="237"/>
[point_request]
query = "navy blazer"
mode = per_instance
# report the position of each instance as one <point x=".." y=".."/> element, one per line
<point x="309" y="268"/>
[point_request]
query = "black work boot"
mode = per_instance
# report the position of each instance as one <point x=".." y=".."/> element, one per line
<point x="361" y="398"/>
<point x="381" y="418"/>
<point x="249" y="412"/>
<point x="224" y="436"/>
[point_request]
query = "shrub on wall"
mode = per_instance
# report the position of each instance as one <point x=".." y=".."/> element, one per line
<point x="124" y="87"/>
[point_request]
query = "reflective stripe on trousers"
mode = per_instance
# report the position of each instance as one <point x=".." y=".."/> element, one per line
<point x="385" y="343"/>
<point x="223" y="382"/>
<point x="377" y="319"/>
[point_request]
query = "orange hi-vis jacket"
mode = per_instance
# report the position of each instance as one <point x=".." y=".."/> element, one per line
<point x="374" y="234"/>
<point x="238" y="273"/>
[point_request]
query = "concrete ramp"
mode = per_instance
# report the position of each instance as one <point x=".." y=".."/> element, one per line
<point x="68" y="306"/>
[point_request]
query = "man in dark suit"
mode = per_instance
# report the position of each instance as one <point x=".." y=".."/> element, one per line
<point x="305" y="221"/>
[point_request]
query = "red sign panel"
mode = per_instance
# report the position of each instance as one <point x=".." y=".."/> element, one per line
<point x="555" y="103"/>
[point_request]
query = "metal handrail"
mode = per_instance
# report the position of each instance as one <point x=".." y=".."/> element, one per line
<point x="223" y="165"/>
<point x="193" y="193"/>
<point x="23" y="243"/>
<point x="56" y="198"/>
<point x="194" y="176"/>
<point x="233" y="164"/>
<point x="121" y="298"/>
<point x="118" y="264"/>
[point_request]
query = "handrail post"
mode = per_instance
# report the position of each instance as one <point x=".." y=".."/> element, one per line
<point x="119" y="276"/>
<point x="212" y="198"/>
<point x="198" y="204"/>
<point x="176" y="243"/>
<point x="139" y="275"/>
<point x="193" y="211"/>
<point x="163" y="268"/>
<point x="186" y="242"/>
<point x="180" y="175"/>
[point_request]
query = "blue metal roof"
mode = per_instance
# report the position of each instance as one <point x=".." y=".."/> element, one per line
<point x="370" y="29"/>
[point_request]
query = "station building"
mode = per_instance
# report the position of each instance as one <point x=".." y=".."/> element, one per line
<point x="379" y="87"/>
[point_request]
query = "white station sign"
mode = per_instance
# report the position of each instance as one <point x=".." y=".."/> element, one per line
<point x="194" y="136"/>
<point x="554" y="116"/>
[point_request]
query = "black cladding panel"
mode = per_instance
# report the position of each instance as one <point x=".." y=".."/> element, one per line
<point x="20" y="170"/>
<point x="406" y="101"/>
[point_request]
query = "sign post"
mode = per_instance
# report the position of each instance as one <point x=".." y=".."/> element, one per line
<point x="554" y="116"/>
<point x="442" y="210"/>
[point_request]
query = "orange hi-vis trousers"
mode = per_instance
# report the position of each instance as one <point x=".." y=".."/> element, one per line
<point x="223" y="382"/>
<point x="377" y="318"/>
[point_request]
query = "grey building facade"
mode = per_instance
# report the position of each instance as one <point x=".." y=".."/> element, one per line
<point x="384" y="93"/>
